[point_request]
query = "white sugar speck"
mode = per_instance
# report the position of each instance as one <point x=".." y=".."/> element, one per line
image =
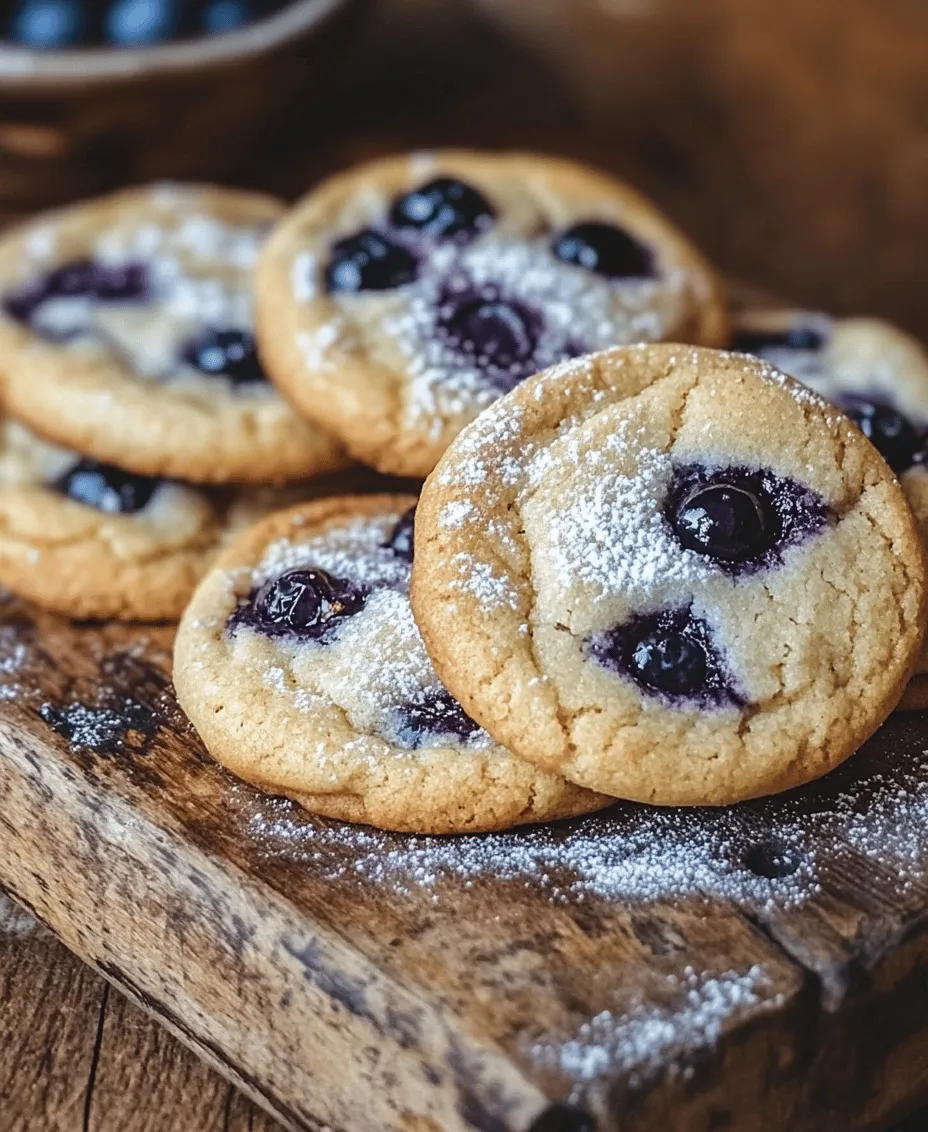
<point x="643" y="1040"/>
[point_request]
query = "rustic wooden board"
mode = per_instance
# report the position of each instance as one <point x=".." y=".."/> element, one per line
<point x="631" y="968"/>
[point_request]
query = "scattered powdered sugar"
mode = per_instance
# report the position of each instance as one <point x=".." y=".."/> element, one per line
<point x="375" y="666"/>
<point x="199" y="272"/>
<point x="578" y="312"/>
<point x="101" y="729"/>
<point x="612" y="535"/>
<point x="768" y="855"/>
<point x="645" y="1040"/>
<point x="356" y="550"/>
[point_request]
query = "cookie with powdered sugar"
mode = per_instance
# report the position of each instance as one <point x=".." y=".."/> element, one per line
<point x="90" y="540"/>
<point x="401" y="298"/>
<point x="300" y="665"/>
<point x="878" y="375"/>
<point x="126" y="334"/>
<point x="671" y="574"/>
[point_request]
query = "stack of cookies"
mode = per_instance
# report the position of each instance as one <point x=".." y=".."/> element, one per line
<point x="640" y="566"/>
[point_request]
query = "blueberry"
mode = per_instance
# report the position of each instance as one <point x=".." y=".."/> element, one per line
<point x="606" y="250"/>
<point x="726" y="521"/>
<point x="444" y="208"/>
<point x="140" y="23"/>
<point x="50" y="24"/>
<point x="368" y="261"/>
<point x="225" y="353"/>
<point x="771" y="859"/>
<point x="742" y="518"/>
<point x="226" y="15"/>
<point x="434" y="713"/>
<point x="82" y="278"/>
<point x="894" y="437"/>
<point x="670" y="661"/>
<point x="495" y="333"/>
<point x="793" y="338"/>
<point x="107" y="488"/>
<point x="669" y="653"/>
<point x="401" y="538"/>
<point x="306" y="602"/>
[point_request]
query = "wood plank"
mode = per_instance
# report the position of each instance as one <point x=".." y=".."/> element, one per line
<point x="48" y="1023"/>
<point x="370" y="981"/>
<point x="76" y="1058"/>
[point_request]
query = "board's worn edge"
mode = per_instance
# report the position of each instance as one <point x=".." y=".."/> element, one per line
<point x="295" y="1017"/>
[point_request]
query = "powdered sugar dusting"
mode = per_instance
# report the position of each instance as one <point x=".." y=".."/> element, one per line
<point x="644" y="1040"/>
<point x="579" y="312"/>
<point x="199" y="270"/>
<point x="873" y="808"/>
<point x="376" y="664"/>
<point x="612" y="534"/>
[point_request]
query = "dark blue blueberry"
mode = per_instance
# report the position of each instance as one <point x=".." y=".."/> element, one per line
<point x="432" y="715"/>
<point x="498" y="335"/>
<point x="226" y="353"/>
<point x="140" y="23"/>
<point x="401" y="538"/>
<point x="107" y="488"/>
<point x="82" y="278"/>
<point x="305" y="602"/>
<point x="893" y="435"/>
<point x="742" y="518"/>
<point x="669" y="654"/>
<point x="444" y="208"/>
<point x="227" y="15"/>
<point x="726" y="521"/>
<point x="606" y="250"/>
<point x="369" y="261"/>
<point x="771" y="859"/>
<point x="48" y="25"/>
<point x="748" y="341"/>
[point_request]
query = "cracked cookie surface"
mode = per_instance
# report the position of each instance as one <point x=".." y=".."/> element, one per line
<point x="671" y="574"/>
<point x="399" y="299"/>
<point x="300" y="665"/>
<point x="126" y="334"/>
<point x="875" y="372"/>
<point x="92" y="541"/>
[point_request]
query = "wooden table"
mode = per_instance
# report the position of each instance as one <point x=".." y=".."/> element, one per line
<point x="75" y="1056"/>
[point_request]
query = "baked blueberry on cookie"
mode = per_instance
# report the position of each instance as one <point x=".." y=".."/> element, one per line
<point x="671" y="574"/>
<point x="398" y="300"/>
<point x="878" y="375"/>
<point x="299" y="663"/>
<point x="126" y="333"/>
<point x="90" y="540"/>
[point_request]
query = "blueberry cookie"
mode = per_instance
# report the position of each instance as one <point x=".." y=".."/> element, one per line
<point x="92" y="541"/>
<point x="126" y="334"/>
<point x="878" y="375"/>
<point x="399" y="299"/>
<point x="299" y="663"/>
<point x="671" y="574"/>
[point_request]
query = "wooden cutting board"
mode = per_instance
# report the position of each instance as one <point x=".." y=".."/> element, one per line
<point x="632" y="971"/>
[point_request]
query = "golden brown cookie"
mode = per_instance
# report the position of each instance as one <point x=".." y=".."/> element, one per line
<point x="399" y="299"/>
<point x="91" y="541"/>
<point x="299" y="663"/>
<point x="126" y="334"/>
<point x="875" y="372"/>
<point x="671" y="574"/>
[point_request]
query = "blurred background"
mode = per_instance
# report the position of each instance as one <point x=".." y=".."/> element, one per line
<point x="790" y="138"/>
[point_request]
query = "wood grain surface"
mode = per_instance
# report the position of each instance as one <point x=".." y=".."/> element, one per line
<point x="372" y="982"/>
<point x="76" y="1057"/>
